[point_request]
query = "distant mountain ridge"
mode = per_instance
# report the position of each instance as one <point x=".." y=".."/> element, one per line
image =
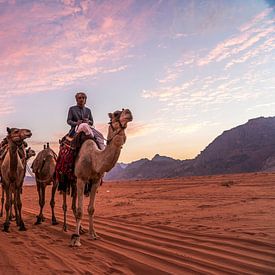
<point x="246" y="148"/>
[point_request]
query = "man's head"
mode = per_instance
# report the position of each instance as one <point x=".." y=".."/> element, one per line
<point x="81" y="98"/>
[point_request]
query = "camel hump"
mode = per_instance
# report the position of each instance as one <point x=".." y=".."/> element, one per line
<point x="39" y="161"/>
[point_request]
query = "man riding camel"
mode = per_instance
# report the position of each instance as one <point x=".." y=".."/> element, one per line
<point x="81" y="120"/>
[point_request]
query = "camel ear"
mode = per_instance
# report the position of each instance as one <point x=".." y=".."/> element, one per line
<point x="8" y="130"/>
<point x="110" y="115"/>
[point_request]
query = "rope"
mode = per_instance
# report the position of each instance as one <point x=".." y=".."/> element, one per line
<point x="30" y="171"/>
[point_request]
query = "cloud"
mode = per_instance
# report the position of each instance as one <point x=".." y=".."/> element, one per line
<point x="258" y="18"/>
<point x="138" y="129"/>
<point x="261" y="106"/>
<point x="49" y="46"/>
<point x="217" y="85"/>
<point x="168" y="92"/>
<point x="209" y="93"/>
<point x="194" y="127"/>
<point x="248" y="37"/>
<point x="175" y="71"/>
<point x="264" y="48"/>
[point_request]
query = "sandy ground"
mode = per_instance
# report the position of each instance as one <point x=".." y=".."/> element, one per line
<point x="193" y="225"/>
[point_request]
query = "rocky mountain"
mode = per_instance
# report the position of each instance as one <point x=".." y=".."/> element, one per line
<point x="158" y="167"/>
<point x="246" y="148"/>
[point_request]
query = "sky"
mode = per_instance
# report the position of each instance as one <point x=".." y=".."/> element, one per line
<point x="187" y="69"/>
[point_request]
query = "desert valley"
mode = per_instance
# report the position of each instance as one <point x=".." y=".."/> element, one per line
<point x="222" y="224"/>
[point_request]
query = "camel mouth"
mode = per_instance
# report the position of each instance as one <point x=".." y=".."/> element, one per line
<point x="28" y="135"/>
<point x="129" y="117"/>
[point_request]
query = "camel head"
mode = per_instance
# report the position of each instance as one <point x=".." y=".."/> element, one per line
<point x="30" y="153"/>
<point x="119" y="119"/>
<point x="18" y="135"/>
<point x="118" y="123"/>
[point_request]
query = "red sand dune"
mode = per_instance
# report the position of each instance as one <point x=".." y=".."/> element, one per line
<point x="195" y="225"/>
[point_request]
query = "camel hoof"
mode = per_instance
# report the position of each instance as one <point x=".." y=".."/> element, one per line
<point x="65" y="228"/>
<point x="43" y="218"/>
<point x="38" y="221"/>
<point x="95" y="237"/>
<point x="54" y="222"/>
<point x="6" y="227"/>
<point x="75" y="240"/>
<point x="82" y="230"/>
<point x="22" y="227"/>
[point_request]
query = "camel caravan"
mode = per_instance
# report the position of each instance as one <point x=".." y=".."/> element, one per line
<point x="78" y="170"/>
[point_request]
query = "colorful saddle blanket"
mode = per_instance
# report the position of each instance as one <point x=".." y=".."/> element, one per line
<point x="65" y="163"/>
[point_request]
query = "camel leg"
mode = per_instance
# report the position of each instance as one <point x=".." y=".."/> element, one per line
<point x="2" y="202"/>
<point x="91" y="210"/>
<point x="52" y="203"/>
<point x="65" y="211"/>
<point x="19" y="205"/>
<point x="74" y="194"/>
<point x="41" y="193"/>
<point x="75" y="240"/>
<point x="14" y="201"/>
<point x="7" y="208"/>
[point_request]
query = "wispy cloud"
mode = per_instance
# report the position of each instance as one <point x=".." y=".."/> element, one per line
<point x="139" y="129"/>
<point x="207" y="91"/>
<point x="50" y="46"/>
<point x="257" y="29"/>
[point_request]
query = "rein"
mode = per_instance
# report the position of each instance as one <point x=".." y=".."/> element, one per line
<point x="116" y="133"/>
<point x="110" y="139"/>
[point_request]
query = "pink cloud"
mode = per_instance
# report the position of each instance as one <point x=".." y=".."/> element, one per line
<point x="259" y="17"/>
<point x="241" y="42"/>
<point x="48" y="46"/>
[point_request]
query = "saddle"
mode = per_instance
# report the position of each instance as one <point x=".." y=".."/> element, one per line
<point x="4" y="149"/>
<point x="69" y="149"/>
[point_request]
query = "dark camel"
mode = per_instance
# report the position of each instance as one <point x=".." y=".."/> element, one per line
<point x="29" y="153"/>
<point x="44" y="167"/>
<point x="13" y="171"/>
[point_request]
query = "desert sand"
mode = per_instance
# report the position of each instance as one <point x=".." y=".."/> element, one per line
<point x="194" y="225"/>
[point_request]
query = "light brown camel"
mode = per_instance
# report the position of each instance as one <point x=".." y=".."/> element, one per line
<point x="44" y="167"/>
<point x="92" y="163"/>
<point x="13" y="170"/>
<point x="29" y="153"/>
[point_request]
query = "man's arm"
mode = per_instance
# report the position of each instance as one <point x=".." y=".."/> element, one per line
<point x="91" y="120"/>
<point x="70" y="118"/>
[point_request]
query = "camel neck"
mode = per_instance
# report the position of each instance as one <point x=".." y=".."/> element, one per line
<point x="13" y="151"/>
<point x="109" y="157"/>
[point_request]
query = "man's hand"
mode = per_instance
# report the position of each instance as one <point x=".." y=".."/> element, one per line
<point x="79" y="122"/>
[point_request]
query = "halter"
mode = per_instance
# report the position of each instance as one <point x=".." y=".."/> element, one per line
<point x="116" y="133"/>
<point x="18" y="144"/>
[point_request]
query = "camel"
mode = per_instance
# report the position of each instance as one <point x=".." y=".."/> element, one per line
<point x="44" y="167"/>
<point x="13" y="171"/>
<point x="29" y="153"/>
<point x="91" y="164"/>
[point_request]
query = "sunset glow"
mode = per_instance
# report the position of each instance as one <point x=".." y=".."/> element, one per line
<point x="188" y="70"/>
